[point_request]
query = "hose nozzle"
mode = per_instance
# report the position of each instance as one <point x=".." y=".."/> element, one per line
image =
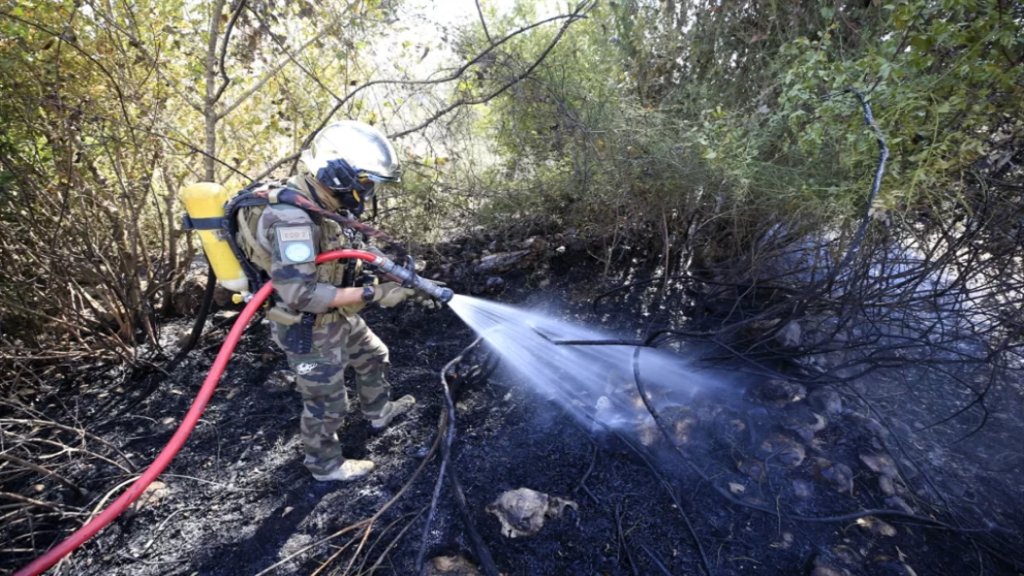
<point x="410" y="279"/>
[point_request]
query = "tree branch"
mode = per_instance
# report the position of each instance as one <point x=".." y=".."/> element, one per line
<point x="80" y="50"/>
<point x="281" y="64"/>
<point x="576" y="15"/>
<point x="483" y="22"/>
<point x="224" y="50"/>
<point x="292" y="58"/>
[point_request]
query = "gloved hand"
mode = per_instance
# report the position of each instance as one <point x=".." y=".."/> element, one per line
<point x="391" y="294"/>
<point x="426" y="302"/>
<point x="353" y="309"/>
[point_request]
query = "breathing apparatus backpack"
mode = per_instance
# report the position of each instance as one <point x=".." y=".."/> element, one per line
<point x="205" y="213"/>
<point x="213" y="212"/>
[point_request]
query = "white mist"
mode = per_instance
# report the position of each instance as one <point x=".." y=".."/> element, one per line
<point x="593" y="383"/>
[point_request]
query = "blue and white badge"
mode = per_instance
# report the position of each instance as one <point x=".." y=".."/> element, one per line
<point x="297" y="252"/>
<point x="295" y="244"/>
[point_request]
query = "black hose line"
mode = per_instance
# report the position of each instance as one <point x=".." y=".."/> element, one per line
<point x="447" y="427"/>
<point x="200" y="322"/>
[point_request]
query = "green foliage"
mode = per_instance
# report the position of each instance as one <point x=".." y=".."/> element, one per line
<point x="109" y="108"/>
<point x="944" y="79"/>
<point x="704" y="125"/>
<point x="687" y="126"/>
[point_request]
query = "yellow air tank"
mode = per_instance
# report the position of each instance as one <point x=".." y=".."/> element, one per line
<point x="204" y="202"/>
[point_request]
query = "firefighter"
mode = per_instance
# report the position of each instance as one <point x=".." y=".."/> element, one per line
<point x="315" y="318"/>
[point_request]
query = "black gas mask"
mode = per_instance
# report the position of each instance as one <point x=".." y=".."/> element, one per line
<point x="352" y="188"/>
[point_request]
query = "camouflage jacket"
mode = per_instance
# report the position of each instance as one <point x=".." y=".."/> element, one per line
<point x="267" y="234"/>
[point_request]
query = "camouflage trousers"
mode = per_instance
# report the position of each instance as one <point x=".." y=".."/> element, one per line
<point x="339" y="342"/>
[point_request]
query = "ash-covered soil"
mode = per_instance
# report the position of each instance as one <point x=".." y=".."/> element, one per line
<point x="762" y="476"/>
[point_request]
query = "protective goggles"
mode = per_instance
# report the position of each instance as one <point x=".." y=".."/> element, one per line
<point x="353" y="188"/>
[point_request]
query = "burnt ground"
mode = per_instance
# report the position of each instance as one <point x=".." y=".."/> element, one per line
<point x="766" y="477"/>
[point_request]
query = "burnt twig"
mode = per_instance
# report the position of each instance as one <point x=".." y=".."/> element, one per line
<point x="623" y="543"/>
<point x="448" y="425"/>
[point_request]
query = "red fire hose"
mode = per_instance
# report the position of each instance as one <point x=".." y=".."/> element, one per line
<point x="115" y="509"/>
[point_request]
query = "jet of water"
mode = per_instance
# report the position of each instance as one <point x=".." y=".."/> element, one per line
<point x="590" y="374"/>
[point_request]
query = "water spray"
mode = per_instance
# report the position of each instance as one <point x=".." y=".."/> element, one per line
<point x="584" y="370"/>
<point x="108" y="515"/>
<point x="611" y="342"/>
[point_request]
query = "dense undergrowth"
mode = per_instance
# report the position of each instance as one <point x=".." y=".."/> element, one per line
<point x="716" y="143"/>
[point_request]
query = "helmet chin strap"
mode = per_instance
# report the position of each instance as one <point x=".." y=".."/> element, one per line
<point x="322" y="196"/>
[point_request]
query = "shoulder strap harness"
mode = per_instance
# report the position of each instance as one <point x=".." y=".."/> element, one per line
<point x="263" y="194"/>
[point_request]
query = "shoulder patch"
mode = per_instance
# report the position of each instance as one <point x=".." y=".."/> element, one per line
<point x="295" y="244"/>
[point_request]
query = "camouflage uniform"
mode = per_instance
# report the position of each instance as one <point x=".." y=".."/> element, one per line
<point x="339" y="337"/>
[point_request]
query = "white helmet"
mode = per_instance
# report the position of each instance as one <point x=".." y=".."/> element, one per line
<point x="349" y="158"/>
